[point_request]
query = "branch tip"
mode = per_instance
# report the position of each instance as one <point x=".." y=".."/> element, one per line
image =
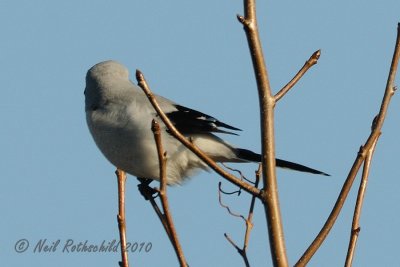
<point x="314" y="58"/>
<point x="316" y="54"/>
<point x="307" y="65"/>
<point x="139" y="76"/>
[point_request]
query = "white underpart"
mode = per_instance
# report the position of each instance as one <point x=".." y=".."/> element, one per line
<point x="121" y="127"/>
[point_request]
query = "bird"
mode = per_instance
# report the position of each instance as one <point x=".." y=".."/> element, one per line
<point x="119" y="118"/>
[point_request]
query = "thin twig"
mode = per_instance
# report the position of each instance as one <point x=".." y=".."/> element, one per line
<point x="236" y="192"/>
<point x="249" y="222"/>
<point x="241" y="252"/>
<point x="389" y="91"/>
<point x="162" y="159"/>
<point x="226" y="206"/>
<point x="121" y="176"/>
<point x="267" y="102"/>
<point x="239" y="172"/>
<point x="309" y="63"/>
<point x="187" y="143"/>
<point x="355" y="227"/>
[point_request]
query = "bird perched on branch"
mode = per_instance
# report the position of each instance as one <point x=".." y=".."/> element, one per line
<point x="119" y="117"/>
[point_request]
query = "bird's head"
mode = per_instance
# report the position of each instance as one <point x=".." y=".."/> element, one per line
<point x="105" y="81"/>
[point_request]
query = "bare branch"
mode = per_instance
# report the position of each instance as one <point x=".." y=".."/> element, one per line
<point x="249" y="224"/>
<point x="239" y="172"/>
<point x="211" y="163"/>
<point x="309" y="63"/>
<point x="355" y="227"/>
<point x="389" y="91"/>
<point x="267" y="102"/>
<point x="232" y="243"/>
<point x="160" y="215"/>
<point x="121" y="177"/>
<point x="162" y="159"/>
<point x="226" y="206"/>
<point x="148" y="194"/>
<point x="238" y="249"/>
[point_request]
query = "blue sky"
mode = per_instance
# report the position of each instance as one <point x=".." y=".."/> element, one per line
<point x="56" y="185"/>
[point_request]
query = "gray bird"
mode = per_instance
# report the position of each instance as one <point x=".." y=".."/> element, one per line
<point x="119" y="117"/>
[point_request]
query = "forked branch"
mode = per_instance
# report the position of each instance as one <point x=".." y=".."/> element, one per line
<point x="389" y="91"/>
<point x="248" y="221"/>
<point x="355" y="227"/>
<point x="267" y="102"/>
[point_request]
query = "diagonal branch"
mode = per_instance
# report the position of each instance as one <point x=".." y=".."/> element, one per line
<point x="238" y="249"/>
<point x="267" y="102"/>
<point x="173" y="131"/>
<point x="162" y="159"/>
<point x="148" y="194"/>
<point x="355" y="227"/>
<point x="389" y="91"/>
<point x="309" y="63"/>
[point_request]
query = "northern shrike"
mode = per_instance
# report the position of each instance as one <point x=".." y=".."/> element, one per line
<point x="119" y="117"/>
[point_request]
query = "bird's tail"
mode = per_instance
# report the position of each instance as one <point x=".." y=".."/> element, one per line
<point x="248" y="155"/>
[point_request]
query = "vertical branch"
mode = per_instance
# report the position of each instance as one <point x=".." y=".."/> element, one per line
<point x="378" y="123"/>
<point x="162" y="159"/>
<point x="355" y="227"/>
<point x="270" y="196"/>
<point x="121" y="176"/>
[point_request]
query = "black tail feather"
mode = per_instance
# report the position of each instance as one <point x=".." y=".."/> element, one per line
<point x="248" y="155"/>
<point x="297" y="167"/>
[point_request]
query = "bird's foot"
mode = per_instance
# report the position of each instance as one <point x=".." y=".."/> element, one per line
<point x="146" y="190"/>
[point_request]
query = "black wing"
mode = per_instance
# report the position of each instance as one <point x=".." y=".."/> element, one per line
<point x="190" y="121"/>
